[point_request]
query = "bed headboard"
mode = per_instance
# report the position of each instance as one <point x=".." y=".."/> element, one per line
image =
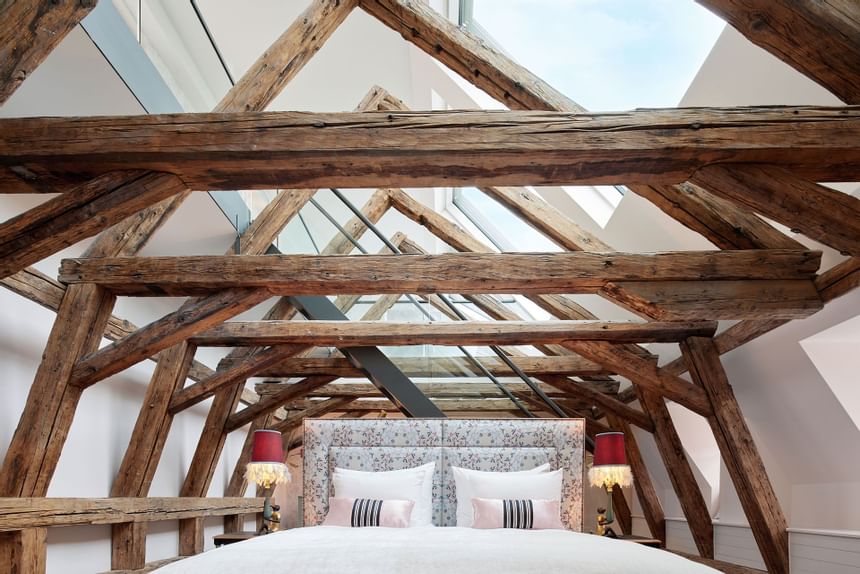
<point x="485" y="444"/>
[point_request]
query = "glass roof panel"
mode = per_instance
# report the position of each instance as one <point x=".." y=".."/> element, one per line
<point x="604" y="54"/>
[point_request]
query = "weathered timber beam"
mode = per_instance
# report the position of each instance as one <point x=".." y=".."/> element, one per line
<point x="33" y="28"/>
<point x="645" y="374"/>
<point x="740" y="454"/>
<point x="570" y="272"/>
<point x="823" y="214"/>
<point x="162" y="333"/>
<point x="819" y="39"/>
<point x="833" y="283"/>
<point x="488" y="69"/>
<point x="432" y="390"/>
<point x="317" y="409"/>
<point x="19" y="513"/>
<point x="447" y="405"/>
<point x="277" y="398"/>
<point x="585" y="391"/>
<point x="690" y="300"/>
<point x="80" y="213"/>
<point x="261" y="150"/>
<point x="372" y="333"/>
<point x="433" y="367"/>
<point x="681" y="475"/>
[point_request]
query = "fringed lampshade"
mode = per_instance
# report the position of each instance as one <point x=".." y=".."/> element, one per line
<point x="267" y="466"/>
<point x="610" y="461"/>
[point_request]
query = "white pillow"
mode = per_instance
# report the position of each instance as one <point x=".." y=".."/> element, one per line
<point x="465" y="491"/>
<point x="405" y="484"/>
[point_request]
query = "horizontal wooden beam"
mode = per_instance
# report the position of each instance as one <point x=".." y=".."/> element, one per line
<point x="572" y="272"/>
<point x="262" y="150"/>
<point x="420" y="367"/>
<point x="471" y="405"/>
<point x="376" y="333"/>
<point x="19" y="513"/>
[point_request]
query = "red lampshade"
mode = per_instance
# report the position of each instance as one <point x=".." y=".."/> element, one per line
<point x="267" y="447"/>
<point x="609" y="449"/>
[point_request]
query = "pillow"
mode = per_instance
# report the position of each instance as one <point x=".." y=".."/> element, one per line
<point x="465" y="494"/>
<point x="406" y="484"/>
<point x="508" y="513"/>
<point x="358" y="512"/>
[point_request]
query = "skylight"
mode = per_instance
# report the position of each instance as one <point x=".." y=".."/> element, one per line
<point x="604" y="54"/>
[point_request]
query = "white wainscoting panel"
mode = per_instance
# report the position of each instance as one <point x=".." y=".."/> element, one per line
<point x="824" y="552"/>
<point x="679" y="537"/>
<point x="735" y="543"/>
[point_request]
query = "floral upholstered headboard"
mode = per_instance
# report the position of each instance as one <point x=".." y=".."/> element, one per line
<point x="485" y="444"/>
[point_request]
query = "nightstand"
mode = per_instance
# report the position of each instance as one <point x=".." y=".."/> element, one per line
<point x="231" y="537"/>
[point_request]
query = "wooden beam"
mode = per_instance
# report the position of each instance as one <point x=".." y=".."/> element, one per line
<point x="18" y="513"/>
<point x="373" y="333"/>
<point x="433" y="367"/>
<point x="719" y="565"/>
<point x="80" y="213"/>
<point x="316" y="410"/>
<point x="162" y="333"/>
<point x="447" y="405"/>
<point x="604" y="401"/>
<point x="147" y="568"/>
<point x="680" y="474"/>
<point x="433" y="390"/>
<point x="25" y="551"/>
<point x="39" y="26"/>
<point x="648" y="500"/>
<point x="740" y="454"/>
<point x="823" y="214"/>
<point x="261" y="150"/>
<point x="276" y="399"/>
<point x="570" y="272"/>
<point x="833" y="283"/>
<point x="690" y="300"/>
<point x="644" y="373"/>
<point x="819" y="39"/>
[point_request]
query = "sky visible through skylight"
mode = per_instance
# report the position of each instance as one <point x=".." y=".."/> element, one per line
<point x="606" y="54"/>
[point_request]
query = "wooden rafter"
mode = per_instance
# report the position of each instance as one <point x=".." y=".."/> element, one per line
<point x="819" y="39"/>
<point x="39" y="27"/>
<point x="259" y="150"/>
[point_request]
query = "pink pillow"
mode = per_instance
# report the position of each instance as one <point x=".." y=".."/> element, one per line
<point x="368" y="512"/>
<point x="527" y="514"/>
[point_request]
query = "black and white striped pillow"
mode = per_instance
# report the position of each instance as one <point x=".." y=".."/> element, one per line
<point x="518" y="514"/>
<point x="366" y="512"/>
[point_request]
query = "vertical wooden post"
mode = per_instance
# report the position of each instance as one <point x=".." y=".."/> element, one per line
<point x="651" y="506"/>
<point x="24" y="551"/>
<point x="740" y="454"/>
<point x="683" y="481"/>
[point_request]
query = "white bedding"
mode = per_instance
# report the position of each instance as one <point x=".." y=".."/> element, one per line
<point x="334" y="550"/>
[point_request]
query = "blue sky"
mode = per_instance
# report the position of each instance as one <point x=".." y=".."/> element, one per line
<point x="606" y="54"/>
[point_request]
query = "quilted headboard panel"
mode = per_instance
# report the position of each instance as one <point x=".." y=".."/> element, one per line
<point x="501" y="445"/>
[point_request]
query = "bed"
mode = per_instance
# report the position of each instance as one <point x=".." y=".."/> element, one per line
<point x="490" y="445"/>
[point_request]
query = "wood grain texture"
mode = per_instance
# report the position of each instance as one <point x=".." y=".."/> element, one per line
<point x="262" y="150"/>
<point x="433" y="390"/>
<point x="828" y="216"/>
<point x="276" y="399"/>
<point x="18" y="513"/>
<point x="690" y="300"/>
<point x="569" y="272"/>
<point x="645" y="374"/>
<point x="820" y="39"/>
<point x="24" y="551"/>
<point x="432" y="367"/>
<point x="39" y="27"/>
<point x="317" y="410"/>
<point x="162" y="333"/>
<point x="382" y="333"/>
<point x="586" y="392"/>
<point x="680" y="473"/>
<point x="740" y="454"/>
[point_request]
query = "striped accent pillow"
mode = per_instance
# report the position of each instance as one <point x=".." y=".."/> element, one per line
<point x="358" y="512"/>
<point x="528" y="514"/>
<point x="518" y="514"/>
<point x="365" y="512"/>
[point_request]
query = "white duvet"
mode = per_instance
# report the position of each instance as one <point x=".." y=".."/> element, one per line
<point x="337" y="550"/>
